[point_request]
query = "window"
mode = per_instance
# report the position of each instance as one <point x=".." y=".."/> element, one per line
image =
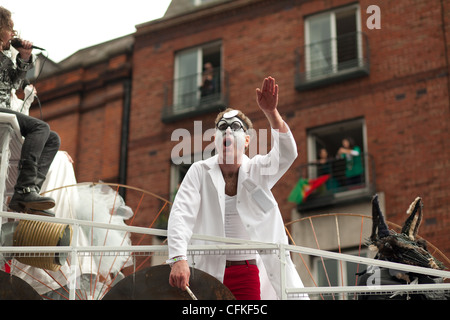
<point x="197" y="77"/>
<point x="347" y="171"/>
<point x="339" y="168"/>
<point x="333" y="42"/>
<point x="336" y="273"/>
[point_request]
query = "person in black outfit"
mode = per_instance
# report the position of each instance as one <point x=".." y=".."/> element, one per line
<point x="40" y="143"/>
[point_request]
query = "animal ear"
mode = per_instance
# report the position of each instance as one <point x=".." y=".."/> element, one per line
<point x="412" y="224"/>
<point x="379" y="226"/>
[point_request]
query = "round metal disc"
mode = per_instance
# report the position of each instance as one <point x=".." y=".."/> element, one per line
<point x="153" y="284"/>
<point x="14" y="288"/>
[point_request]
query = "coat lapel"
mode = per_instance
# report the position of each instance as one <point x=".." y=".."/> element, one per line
<point x="243" y="171"/>
<point x="213" y="169"/>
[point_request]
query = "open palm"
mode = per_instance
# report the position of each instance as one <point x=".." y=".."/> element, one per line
<point x="267" y="96"/>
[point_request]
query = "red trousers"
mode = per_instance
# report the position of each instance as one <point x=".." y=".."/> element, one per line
<point x="243" y="282"/>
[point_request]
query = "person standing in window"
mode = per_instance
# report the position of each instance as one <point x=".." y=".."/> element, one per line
<point x="208" y="81"/>
<point x="353" y="161"/>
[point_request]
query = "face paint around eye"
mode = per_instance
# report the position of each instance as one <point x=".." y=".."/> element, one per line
<point x="234" y="123"/>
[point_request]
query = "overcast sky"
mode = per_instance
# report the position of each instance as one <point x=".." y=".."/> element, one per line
<point x="63" y="27"/>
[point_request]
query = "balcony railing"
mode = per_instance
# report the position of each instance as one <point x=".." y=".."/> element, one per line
<point x="186" y="97"/>
<point x="332" y="60"/>
<point x="332" y="183"/>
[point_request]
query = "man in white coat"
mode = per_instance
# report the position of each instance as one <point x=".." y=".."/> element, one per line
<point x="229" y="195"/>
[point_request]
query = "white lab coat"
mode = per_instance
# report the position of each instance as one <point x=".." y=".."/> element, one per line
<point x="199" y="208"/>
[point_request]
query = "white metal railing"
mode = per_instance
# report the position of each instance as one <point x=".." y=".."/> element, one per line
<point x="223" y="245"/>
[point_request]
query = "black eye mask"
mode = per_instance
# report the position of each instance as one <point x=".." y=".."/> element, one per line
<point x="234" y="124"/>
<point x="230" y="119"/>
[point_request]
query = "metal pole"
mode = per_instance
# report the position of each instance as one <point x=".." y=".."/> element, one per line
<point x="282" y="253"/>
<point x="73" y="263"/>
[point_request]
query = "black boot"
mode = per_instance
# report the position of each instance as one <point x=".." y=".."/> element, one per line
<point x="26" y="193"/>
<point x="40" y="178"/>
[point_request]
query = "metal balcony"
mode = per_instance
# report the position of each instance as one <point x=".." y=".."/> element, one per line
<point x="186" y="97"/>
<point x="339" y="188"/>
<point x="331" y="61"/>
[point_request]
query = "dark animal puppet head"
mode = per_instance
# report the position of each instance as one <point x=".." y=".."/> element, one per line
<point x="401" y="247"/>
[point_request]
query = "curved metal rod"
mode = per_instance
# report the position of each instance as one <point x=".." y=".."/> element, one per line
<point x="110" y="184"/>
<point x="391" y="224"/>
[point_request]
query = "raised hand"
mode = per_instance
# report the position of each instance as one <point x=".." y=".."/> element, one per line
<point x="267" y="99"/>
<point x="267" y="96"/>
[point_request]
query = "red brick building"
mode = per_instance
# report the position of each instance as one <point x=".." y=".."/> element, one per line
<point x="85" y="100"/>
<point x="375" y="71"/>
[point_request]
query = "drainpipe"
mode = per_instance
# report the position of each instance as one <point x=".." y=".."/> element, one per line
<point x="123" y="161"/>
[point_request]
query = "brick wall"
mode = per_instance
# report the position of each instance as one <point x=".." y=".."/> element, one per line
<point x="84" y="104"/>
<point x="404" y="101"/>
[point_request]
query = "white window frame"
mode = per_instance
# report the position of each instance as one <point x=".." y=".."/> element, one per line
<point x="311" y="139"/>
<point x="311" y="143"/>
<point x="178" y="105"/>
<point x="332" y="16"/>
<point x="198" y="50"/>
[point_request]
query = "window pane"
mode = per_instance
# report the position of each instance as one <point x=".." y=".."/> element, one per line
<point x="334" y="43"/>
<point x="211" y="80"/>
<point x="347" y="37"/>
<point x="186" y="80"/>
<point x="320" y="57"/>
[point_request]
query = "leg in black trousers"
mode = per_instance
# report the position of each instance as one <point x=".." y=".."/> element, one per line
<point x="38" y="151"/>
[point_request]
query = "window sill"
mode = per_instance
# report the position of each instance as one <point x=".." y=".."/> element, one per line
<point x="170" y="114"/>
<point x="303" y="82"/>
<point x="327" y="199"/>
